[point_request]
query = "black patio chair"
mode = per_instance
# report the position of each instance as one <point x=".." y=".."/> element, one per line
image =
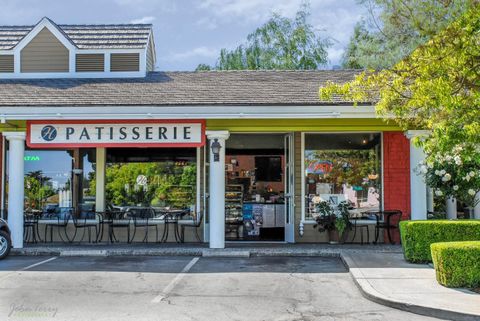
<point x="58" y="220"/>
<point x="30" y="227"/>
<point x="88" y="222"/>
<point x="391" y="221"/>
<point x="194" y="224"/>
<point x="142" y="217"/>
<point x="171" y="218"/>
<point x="118" y="219"/>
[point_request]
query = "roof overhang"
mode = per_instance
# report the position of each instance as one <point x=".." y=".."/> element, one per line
<point x="187" y="112"/>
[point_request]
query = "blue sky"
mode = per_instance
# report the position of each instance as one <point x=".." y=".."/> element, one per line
<point x="189" y="32"/>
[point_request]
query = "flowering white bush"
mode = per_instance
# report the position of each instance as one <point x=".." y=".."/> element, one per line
<point x="456" y="174"/>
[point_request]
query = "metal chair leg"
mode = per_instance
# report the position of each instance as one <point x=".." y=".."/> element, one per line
<point x="182" y="233"/>
<point x="377" y="234"/>
<point x="390" y="236"/>
<point x="197" y="236"/>
<point x="133" y="236"/>
<point x="165" y="232"/>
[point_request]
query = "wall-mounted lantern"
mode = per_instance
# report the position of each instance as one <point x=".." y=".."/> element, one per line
<point x="216" y="150"/>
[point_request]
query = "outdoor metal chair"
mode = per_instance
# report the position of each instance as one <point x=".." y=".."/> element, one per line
<point x="86" y="221"/>
<point x="194" y="224"/>
<point x="30" y="227"/>
<point x="391" y="220"/>
<point x="58" y="220"/>
<point x="117" y="219"/>
<point x="142" y="218"/>
<point x="171" y="218"/>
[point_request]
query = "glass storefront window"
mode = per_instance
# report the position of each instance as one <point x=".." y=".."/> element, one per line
<point x="53" y="187"/>
<point x="343" y="167"/>
<point x="164" y="178"/>
<point x="48" y="179"/>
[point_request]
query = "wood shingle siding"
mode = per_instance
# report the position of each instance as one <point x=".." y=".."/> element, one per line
<point x="150" y="58"/>
<point x="125" y="62"/>
<point x="45" y="53"/>
<point x="90" y="62"/>
<point x="6" y="63"/>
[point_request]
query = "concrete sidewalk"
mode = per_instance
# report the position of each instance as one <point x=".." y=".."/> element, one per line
<point x="388" y="279"/>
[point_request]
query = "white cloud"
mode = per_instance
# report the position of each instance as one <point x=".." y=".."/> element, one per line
<point x="147" y="5"/>
<point x="147" y="19"/>
<point x="249" y="10"/>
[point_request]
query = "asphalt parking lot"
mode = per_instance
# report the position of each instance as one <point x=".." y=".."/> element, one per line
<point x="184" y="288"/>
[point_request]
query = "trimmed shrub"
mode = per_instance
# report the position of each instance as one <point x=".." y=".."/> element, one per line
<point x="417" y="236"/>
<point x="457" y="264"/>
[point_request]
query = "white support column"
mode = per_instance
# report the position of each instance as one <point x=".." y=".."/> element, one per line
<point x="217" y="189"/>
<point x="418" y="188"/>
<point x="101" y="156"/>
<point x="16" y="190"/>
<point x="476" y="212"/>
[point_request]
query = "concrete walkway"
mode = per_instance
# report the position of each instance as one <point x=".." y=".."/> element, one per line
<point x="379" y="271"/>
<point x="388" y="279"/>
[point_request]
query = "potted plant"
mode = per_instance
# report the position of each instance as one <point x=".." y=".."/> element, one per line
<point x="333" y="221"/>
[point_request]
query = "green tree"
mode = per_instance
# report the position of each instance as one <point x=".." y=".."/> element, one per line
<point x="281" y="43"/>
<point x="395" y="28"/>
<point x="37" y="190"/>
<point x="436" y="88"/>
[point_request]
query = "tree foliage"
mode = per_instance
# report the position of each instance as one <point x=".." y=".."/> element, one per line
<point x="437" y="88"/>
<point x="395" y="28"/>
<point x="281" y="43"/>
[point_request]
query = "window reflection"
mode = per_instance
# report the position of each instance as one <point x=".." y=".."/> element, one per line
<point x="168" y="181"/>
<point x="343" y="167"/>
<point x="48" y="179"/>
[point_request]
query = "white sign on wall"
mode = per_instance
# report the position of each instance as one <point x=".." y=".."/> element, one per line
<point x="116" y="133"/>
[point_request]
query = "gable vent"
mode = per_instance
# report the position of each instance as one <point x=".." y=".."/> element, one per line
<point x="6" y="63"/>
<point x="125" y="62"/>
<point x="90" y="62"/>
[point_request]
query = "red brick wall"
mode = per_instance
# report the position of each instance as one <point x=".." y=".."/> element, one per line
<point x="396" y="173"/>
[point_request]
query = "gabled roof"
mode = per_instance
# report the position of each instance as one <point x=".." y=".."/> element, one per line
<point x="113" y="36"/>
<point x="179" y="89"/>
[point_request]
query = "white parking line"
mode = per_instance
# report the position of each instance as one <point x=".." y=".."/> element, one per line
<point x="37" y="264"/>
<point x="175" y="281"/>
<point x="26" y="268"/>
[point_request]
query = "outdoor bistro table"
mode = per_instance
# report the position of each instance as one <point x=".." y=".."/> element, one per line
<point x="171" y="217"/>
<point x="388" y="224"/>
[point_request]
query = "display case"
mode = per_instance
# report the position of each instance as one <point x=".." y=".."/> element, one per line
<point x="233" y="204"/>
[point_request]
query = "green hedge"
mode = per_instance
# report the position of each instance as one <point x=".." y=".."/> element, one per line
<point x="417" y="236"/>
<point x="457" y="264"/>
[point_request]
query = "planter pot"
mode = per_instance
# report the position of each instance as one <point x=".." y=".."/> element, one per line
<point x="334" y="236"/>
<point x="451" y="208"/>
<point x="469" y="212"/>
<point x="477" y="207"/>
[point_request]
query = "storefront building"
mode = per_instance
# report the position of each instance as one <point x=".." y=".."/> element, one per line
<point x="86" y="123"/>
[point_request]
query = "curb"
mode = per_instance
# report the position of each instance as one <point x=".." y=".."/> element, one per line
<point x="370" y="293"/>
<point x="225" y="253"/>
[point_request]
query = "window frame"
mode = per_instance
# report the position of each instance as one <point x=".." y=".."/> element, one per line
<point x="303" y="219"/>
